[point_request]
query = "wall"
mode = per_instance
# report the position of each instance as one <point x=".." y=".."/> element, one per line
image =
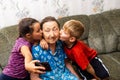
<point x="11" y="11"/>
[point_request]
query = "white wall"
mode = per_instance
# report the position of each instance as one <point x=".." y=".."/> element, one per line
<point x="11" y="11"/>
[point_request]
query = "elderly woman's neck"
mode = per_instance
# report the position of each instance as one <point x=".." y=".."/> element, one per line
<point x="52" y="47"/>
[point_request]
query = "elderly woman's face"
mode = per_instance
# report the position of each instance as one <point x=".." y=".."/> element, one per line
<point x="51" y="32"/>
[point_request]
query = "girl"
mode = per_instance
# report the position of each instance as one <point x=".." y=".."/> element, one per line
<point x="20" y="59"/>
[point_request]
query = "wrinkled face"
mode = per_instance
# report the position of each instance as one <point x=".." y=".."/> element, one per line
<point x="37" y="32"/>
<point x="51" y="32"/>
<point x="64" y="35"/>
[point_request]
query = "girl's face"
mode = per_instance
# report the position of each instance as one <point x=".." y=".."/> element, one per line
<point x="51" y="32"/>
<point x="37" y="33"/>
<point x="64" y="35"/>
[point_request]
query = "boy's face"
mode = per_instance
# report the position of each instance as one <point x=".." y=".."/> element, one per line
<point x="37" y="33"/>
<point x="64" y="35"/>
<point x="51" y="32"/>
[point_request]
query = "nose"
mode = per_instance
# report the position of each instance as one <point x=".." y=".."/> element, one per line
<point x="41" y="31"/>
<point x="61" y="31"/>
<point x="51" y="34"/>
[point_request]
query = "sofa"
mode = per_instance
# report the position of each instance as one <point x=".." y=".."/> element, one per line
<point x="102" y="32"/>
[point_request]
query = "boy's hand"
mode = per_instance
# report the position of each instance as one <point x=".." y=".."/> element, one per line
<point x="44" y="44"/>
<point x="96" y="78"/>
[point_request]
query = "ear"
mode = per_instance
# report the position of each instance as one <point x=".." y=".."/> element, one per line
<point x="28" y="35"/>
<point x="72" y="39"/>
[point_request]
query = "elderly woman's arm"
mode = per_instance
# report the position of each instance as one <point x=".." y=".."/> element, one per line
<point x="34" y="76"/>
<point x="70" y="67"/>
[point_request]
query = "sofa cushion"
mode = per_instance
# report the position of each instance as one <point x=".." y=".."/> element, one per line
<point x="102" y="34"/>
<point x="110" y="36"/>
<point x="8" y="36"/>
<point x="112" y="62"/>
<point x="96" y="38"/>
<point x="4" y="49"/>
<point x="119" y="45"/>
<point x="11" y="33"/>
<point x="114" y="19"/>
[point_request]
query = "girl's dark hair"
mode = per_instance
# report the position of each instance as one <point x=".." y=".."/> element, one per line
<point x="26" y="26"/>
<point x="47" y="19"/>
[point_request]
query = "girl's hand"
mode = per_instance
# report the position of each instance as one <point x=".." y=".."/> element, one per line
<point x="35" y="69"/>
<point x="44" y="44"/>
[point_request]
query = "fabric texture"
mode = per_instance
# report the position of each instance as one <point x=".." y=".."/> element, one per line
<point x="100" y="69"/>
<point x="81" y="54"/>
<point x="56" y="61"/>
<point x="15" y="67"/>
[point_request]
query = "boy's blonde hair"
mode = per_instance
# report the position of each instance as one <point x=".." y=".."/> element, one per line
<point x="74" y="27"/>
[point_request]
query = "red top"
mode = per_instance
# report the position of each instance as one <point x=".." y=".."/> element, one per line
<point x="81" y="54"/>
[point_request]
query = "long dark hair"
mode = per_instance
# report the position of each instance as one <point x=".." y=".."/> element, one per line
<point x="26" y="26"/>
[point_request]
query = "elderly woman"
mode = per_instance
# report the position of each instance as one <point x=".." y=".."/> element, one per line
<point x="55" y="56"/>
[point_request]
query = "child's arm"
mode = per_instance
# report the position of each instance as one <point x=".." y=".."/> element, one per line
<point x="44" y="44"/>
<point x="70" y="67"/>
<point x="34" y="76"/>
<point x="29" y="63"/>
<point x="91" y="71"/>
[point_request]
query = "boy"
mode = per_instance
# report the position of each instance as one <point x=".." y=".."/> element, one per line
<point x="84" y="57"/>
